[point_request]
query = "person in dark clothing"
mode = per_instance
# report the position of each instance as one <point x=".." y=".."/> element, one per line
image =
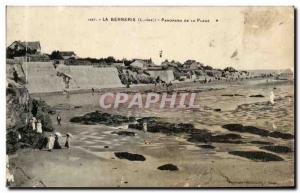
<point x="56" y="143"/>
<point x="40" y="141"/>
<point x="15" y="75"/>
<point x="157" y="79"/>
<point x="58" y="118"/>
<point x="67" y="144"/>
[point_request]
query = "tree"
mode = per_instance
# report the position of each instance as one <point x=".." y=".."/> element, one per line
<point x="110" y="59"/>
<point x="55" y="55"/>
<point x="11" y="53"/>
<point x="230" y="69"/>
<point x="207" y="68"/>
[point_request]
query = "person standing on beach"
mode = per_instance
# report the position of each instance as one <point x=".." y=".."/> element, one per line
<point x="145" y="127"/>
<point x="50" y="143"/>
<point x="58" y="118"/>
<point x="56" y="143"/>
<point x="33" y="123"/>
<point x="67" y="144"/>
<point x="39" y="127"/>
<point x="272" y="97"/>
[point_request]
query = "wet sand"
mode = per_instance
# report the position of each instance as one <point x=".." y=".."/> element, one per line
<point x="91" y="162"/>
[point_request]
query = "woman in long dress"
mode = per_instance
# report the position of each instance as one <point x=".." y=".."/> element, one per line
<point x="56" y="143"/>
<point x="50" y="144"/>
<point x="39" y="127"/>
<point x="33" y="123"/>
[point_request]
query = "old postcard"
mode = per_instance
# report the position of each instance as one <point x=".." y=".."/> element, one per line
<point x="188" y="97"/>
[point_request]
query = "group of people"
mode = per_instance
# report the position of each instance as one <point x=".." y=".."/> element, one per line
<point x="52" y="141"/>
<point x="36" y="125"/>
<point x="48" y="141"/>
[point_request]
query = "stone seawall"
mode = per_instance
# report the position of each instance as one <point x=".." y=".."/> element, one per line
<point x="42" y="77"/>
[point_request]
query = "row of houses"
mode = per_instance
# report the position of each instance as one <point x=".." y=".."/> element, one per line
<point x="21" y="51"/>
<point x="31" y="52"/>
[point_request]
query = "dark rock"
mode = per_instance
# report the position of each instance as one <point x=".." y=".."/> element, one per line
<point x="135" y="126"/>
<point x="106" y="146"/>
<point x="154" y="125"/>
<point x="77" y="107"/>
<point x="246" y="129"/>
<point x="257" y="95"/>
<point x="98" y="117"/>
<point x="207" y="137"/>
<point x="169" y="167"/>
<point x="196" y="135"/>
<point x="207" y="146"/>
<point x="261" y="142"/>
<point x="277" y="134"/>
<point x="257" y="131"/>
<point x="231" y="95"/>
<point x="277" y="149"/>
<point x="257" y="155"/>
<point x="233" y="127"/>
<point x="227" y="138"/>
<point x="124" y="133"/>
<point x="129" y="156"/>
<point x="217" y="110"/>
<point x="18" y="113"/>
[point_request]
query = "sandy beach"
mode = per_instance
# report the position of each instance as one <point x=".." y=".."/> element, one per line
<point x="199" y="164"/>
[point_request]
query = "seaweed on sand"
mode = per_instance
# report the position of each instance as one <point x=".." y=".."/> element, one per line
<point x="98" y="117"/>
<point x="257" y="155"/>
<point x="257" y="131"/>
<point x="277" y="148"/>
<point x="130" y="156"/>
<point x="169" y="167"/>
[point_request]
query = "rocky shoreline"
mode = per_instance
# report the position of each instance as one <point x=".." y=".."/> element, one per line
<point x="195" y="135"/>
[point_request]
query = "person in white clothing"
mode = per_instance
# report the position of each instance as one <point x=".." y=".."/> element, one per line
<point x="50" y="143"/>
<point x="33" y="123"/>
<point x="39" y="127"/>
<point x="272" y="97"/>
<point x="145" y="127"/>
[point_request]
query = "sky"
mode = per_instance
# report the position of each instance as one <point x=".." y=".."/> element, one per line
<point x="242" y="37"/>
